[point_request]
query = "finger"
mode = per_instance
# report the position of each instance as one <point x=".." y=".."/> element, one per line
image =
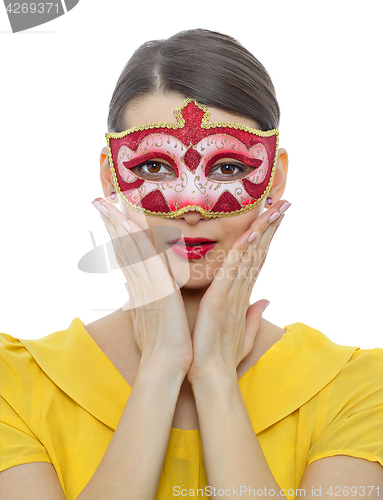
<point x="240" y="259"/>
<point x="143" y="248"/>
<point x="135" y="274"/>
<point x="123" y="258"/>
<point x="260" y="226"/>
<point x="137" y="251"/>
<point x="263" y="246"/>
<point x="265" y="227"/>
<point x="259" y="260"/>
<point x="152" y="280"/>
<point x="252" y="263"/>
<point x="252" y="321"/>
<point x="267" y="219"/>
<point x="227" y="273"/>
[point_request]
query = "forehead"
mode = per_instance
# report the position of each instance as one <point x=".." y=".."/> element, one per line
<point x="159" y="108"/>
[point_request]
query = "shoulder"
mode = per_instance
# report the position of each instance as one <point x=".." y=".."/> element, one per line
<point x="15" y="358"/>
<point x="362" y="376"/>
<point x="366" y="357"/>
<point x="344" y="364"/>
<point x="25" y="362"/>
<point x="110" y="333"/>
<point x="351" y="403"/>
<point x="350" y="410"/>
<point x="9" y="344"/>
<point x="20" y="382"/>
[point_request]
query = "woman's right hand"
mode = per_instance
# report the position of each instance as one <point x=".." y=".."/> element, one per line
<point x="161" y="329"/>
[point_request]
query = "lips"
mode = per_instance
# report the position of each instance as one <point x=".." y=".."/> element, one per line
<point x="191" y="241"/>
<point x="191" y="248"/>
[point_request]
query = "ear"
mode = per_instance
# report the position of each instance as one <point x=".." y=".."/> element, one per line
<point x="280" y="177"/>
<point x="106" y="177"/>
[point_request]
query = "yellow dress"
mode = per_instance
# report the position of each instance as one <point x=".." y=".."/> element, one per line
<point x="307" y="397"/>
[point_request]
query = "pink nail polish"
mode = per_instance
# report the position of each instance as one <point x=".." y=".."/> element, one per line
<point x="284" y="207"/>
<point x="274" y="217"/>
<point x="126" y="226"/>
<point x="104" y="210"/>
<point x="266" y="306"/>
<point x="251" y="237"/>
<point x="99" y="207"/>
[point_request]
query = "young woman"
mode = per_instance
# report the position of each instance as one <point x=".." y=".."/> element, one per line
<point x="186" y="390"/>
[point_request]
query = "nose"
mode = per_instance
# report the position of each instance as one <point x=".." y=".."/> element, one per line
<point x="191" y="217"/>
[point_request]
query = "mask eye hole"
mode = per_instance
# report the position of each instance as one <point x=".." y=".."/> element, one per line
<point x="154" y="170"/>
<point x="228" y="170"/>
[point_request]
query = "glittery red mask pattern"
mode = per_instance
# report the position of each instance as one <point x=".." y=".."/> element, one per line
<point x="191" y="149"/>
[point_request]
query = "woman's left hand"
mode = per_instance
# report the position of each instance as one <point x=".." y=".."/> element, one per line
<point x="225" y="328"/>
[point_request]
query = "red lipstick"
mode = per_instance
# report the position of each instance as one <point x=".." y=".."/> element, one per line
<point x="192" y="248"/>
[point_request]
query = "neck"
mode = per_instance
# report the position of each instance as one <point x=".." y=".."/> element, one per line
<point x="192" y="298"/>
<point x="117" y="329"/>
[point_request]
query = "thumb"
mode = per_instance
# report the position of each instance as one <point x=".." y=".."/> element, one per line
<point x="253" y="321"/>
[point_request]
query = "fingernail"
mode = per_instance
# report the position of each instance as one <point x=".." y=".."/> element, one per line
<point x="126" y="226"/>
<point x="99" y="207"/>
<point x="279" y="222"/>
<point x="284" y="207"/>
<point x="266" y="306"/>
<point x="104" y="210"/>
<point x="251" y="237"/>
<point x="274" y="217"/>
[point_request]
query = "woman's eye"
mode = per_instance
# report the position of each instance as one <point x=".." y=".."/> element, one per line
<point x="226" y="171"/>
<point x="153" y="169"/>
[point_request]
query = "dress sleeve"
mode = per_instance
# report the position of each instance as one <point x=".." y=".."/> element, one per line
<point x="20" y="406"/>
<point x="18" y="445"/>
<point x="350" y="419"/>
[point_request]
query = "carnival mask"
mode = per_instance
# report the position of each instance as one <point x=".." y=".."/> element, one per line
<point x="191" y="154"/>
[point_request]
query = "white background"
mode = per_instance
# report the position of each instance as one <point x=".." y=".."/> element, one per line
<point x="324" y="267"/>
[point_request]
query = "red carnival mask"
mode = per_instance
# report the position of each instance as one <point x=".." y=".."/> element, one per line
<point x="190" y="151"/>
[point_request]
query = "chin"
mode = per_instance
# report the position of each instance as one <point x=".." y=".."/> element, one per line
<point x="197" y="284"/>
<point x="193" y="274"/>
<point x="192" y="280"/>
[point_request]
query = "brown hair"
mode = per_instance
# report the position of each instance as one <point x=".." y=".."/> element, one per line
<point x="212" y="68"/>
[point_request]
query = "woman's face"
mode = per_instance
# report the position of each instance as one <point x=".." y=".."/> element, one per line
<point x="199" y="272"/>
